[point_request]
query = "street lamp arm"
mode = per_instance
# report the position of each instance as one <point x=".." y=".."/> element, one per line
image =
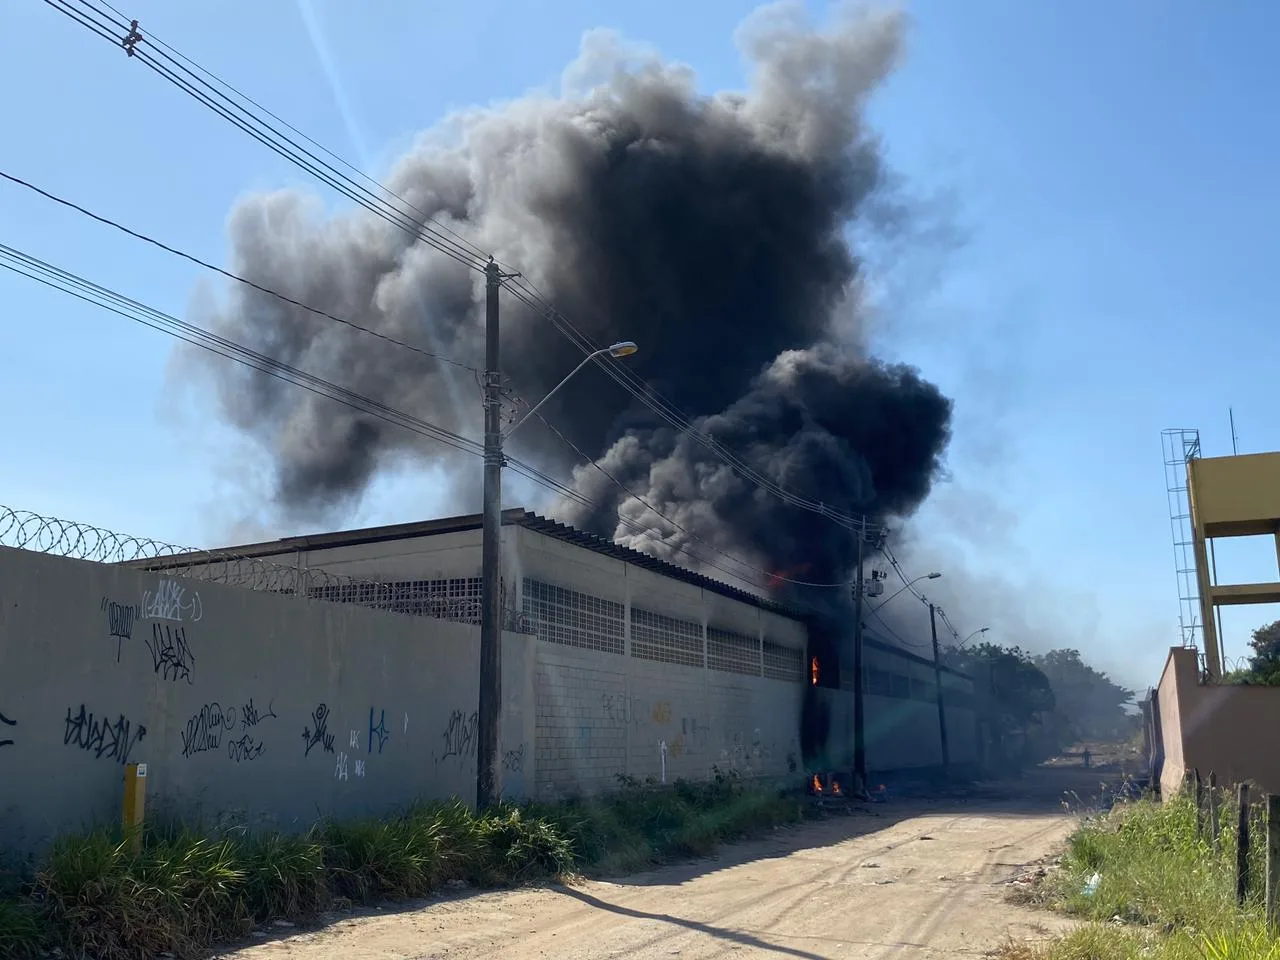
<point x="623" y="349"/>
<point x="905" y="586"/>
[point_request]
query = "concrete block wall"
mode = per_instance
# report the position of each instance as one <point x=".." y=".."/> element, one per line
<point x="266" y="708"/>
<point x="603" y="713"/>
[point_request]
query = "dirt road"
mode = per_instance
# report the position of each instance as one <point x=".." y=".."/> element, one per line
<point x="918" y="877"/>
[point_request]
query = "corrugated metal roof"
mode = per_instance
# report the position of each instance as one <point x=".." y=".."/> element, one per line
<point x="589" y="541"/>
<point x="517" y="517"/>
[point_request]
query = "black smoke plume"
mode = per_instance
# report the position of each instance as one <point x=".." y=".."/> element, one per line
<point x="714" y="230"/>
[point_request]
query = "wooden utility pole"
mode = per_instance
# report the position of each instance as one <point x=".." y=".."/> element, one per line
<point x="937" y="679"/>
<point x="1199" y="795"/>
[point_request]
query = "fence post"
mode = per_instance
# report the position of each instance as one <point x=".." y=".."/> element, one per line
<point x="1242" y="843"/>
<point x="1215" y="814"/>
<point x="1273" y="858"/>
<point x="1199" y="795"/>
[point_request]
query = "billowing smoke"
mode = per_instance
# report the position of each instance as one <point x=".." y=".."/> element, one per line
<point x="714" y="230"/>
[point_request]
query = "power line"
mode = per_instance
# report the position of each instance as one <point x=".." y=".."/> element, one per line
<point x="74" y="285"/>
<point x="462" y="241"/>
<point x="687" y="532"/>
<point x="229" y="275"/>
<point x="894" y="633"/>
<point x="216" y="96"/>
<point x="21" y="263"/>
<point x="592" y="461"/>
<point x="242" y="116"/>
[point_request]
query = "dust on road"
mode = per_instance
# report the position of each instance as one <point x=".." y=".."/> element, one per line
<point x="913" y="877"/>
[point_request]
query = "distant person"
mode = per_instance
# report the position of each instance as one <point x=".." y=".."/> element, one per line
<point x="1087" y="757"/>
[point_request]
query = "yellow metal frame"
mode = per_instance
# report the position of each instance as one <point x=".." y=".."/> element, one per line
<point x="1231" y="497"/>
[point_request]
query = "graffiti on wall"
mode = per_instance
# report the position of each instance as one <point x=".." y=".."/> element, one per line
<point x="379" y="732"/>
<point x="340" y="767"/>
<point x="212" y="724"/>
<point x="613" y="707"/>
<point x="206" y="728"/>
<point x="171" y="657"/>
<point x="251" y="716"/>
<point x="170" y="600"/>
<point x="459" y="736"/>
<point x="6" y="722"/>
<point x="513" y="760"/>
<point x="102" y="737"/>
<point x="245" y="747"/>
<point x="317" y="733"/>
<point x="120" y="620"/>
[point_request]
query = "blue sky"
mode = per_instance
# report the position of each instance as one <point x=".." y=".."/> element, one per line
<point x="1108" y="167"/>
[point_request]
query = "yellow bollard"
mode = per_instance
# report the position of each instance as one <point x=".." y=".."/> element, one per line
<point x="135" y="801"/>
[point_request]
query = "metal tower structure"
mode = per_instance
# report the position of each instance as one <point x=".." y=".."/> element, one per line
<point x="1181" y="446"/>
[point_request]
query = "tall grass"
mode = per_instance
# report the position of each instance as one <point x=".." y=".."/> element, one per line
<point x="95" y="895"/>
<point x="1162" y="889"/>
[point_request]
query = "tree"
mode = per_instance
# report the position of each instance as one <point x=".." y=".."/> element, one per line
<point x="1012" y="697"/>
<point x="1264" y="665"/>
<point x="1089" y="705"/>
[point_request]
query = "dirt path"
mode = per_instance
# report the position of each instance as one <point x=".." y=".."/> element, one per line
<point x="922" y="878"/>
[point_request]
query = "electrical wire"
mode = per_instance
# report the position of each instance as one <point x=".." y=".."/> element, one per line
<point x="241" y="116"/>
<point x="769" y="576"/>
<point x="462" y="241"/>
<point x="23" y="264"/>
<point x="897" y="636"/>
<point x="560" y="489"/>
<point x="230" y="275"/>
<point x="176" y="68"/>
<point x="171" y="67"/>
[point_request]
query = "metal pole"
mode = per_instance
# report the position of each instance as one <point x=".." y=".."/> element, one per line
<point x="937" y="679"/>
<point x="859" y="731"/>
<point x="490" y="699"/>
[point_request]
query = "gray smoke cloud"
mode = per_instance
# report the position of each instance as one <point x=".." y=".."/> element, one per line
<point x="714" y="230"/>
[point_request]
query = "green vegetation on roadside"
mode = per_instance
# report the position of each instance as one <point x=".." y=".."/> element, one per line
<point x="92" y="896"/>
<point x="1034" y="706"/>
<point x="1152" y="888"/>
<point x="1263" y="667"/>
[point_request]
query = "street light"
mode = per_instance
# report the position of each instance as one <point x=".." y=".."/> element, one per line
<point x="909" y="583"/>
<point x="623" y="348"/>
<point x="971" y="636"/>
<point x="489" y="705"/>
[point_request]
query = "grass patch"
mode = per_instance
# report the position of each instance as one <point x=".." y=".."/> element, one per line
<point x="1244" y="941"/>
<point x="95" y="895"/>
<point x="1151" y="886"/>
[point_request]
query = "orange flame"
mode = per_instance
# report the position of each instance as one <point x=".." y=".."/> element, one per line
<point x="817" y="784"/>
<point x="813" y="671"/>
<point x="835" y="787"/>
<point x="778" y="577"/>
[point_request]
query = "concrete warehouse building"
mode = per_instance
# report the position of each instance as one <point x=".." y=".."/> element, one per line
<point x="642" y="668"/>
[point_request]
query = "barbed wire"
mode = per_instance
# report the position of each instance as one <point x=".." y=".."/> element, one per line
<point x="445" y="598"/>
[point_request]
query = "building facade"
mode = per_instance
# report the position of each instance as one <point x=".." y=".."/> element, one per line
<point x="643" y="669"/>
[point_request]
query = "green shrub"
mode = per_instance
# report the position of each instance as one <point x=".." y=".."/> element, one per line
<point x="22" y="929"/>
<point x="95" y="895"/>
<point x="1154" y="869"/>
